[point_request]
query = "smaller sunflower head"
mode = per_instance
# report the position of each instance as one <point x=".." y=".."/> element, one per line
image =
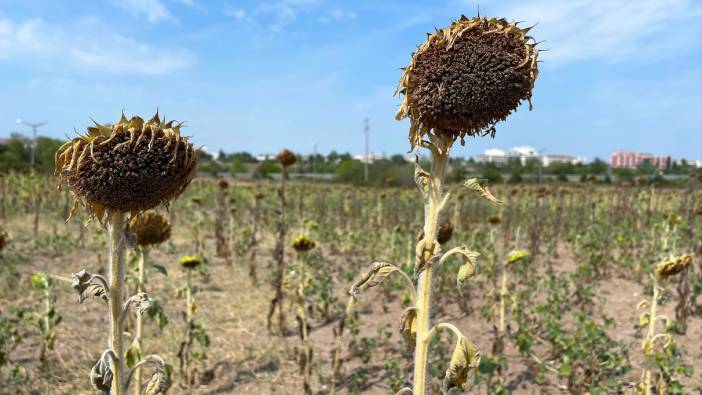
<point x="151" y="227"/>
<point x="196" y="200"/>
<point x="259" y="195"/>
<point x="4" y="240"/>
<point x="673" y="266"/>
<point x="698" y="210"/>
<point x="286" y="158"/>
<point x="443" y="235"/>
<point x="494" y="220"/>
<point x="223" y="184"/>
<point x="131" y="166"/>
<point x="190" y="261"/>
<point x="303" y="244"/>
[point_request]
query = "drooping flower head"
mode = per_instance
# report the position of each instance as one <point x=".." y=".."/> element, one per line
<point x="673" y="266"/>
<point x="150" y="227"/>
<point x="131" y="166"/>
<point x="286" y="158"/>
<point x="467" y="77"/>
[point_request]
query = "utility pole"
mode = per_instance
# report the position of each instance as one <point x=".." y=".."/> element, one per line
<point x="366" y="130"/>
<point x="34" y="127"/>
<point x="314" y="158"/>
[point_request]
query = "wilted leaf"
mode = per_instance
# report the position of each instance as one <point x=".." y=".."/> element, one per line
<point x="468" y="268"/>
<point x="516" y="256"/>
<point x="378" y="272"/>
<point x="101" y="373"/>
<point x="159" y="382"/>
<point x="133" y="355"/>
<point x="474" y="185"/>
<point x="466" y="357"/>
<point x="141" y="302"/>
<point x="83" y="283"/>
<point x="408" y="327"/>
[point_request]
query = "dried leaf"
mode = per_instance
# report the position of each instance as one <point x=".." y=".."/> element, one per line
<point x="466" y="357"/>
<point x="516" y="256"/>
<point x="101" y="373"/>
<point x="158" y="384"/>
<point x="482" y="191"/>
<point x="468" y="268"/>
<point x="83" y="282"/>
<point x="376" y="275"/>
<point x="408" y="327"/>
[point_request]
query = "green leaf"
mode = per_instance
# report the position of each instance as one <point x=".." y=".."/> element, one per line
<point x="133" y="355"/>
<point x="159" y="268"/>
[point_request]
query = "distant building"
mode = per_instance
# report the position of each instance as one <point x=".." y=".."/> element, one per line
<point x="632" y="160"/>
<point x="371" y="157"/>
<point x="524" y="153"/>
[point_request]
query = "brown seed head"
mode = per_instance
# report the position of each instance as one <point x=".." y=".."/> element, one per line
<point x="132" y="166"/>
<point x="259" y="195"/>
<point x="467" y="77"/>
<point x="444" y="234"/>
<point x="286" y="158"/>
<point x="698" y="210"/>
<point x="223" y="184"/>
<point x="3" y="240"/>
<point x="673" y="266"/>
<point x="151" y="227"/>
<point x="494" y="219"/>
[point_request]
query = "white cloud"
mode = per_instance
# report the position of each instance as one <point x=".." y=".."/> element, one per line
<point x="236" y="13"/>
<point x="337" y="15"/>
<point x="612" y="31"/>
<point x="154" y="10"/>
<point x="192" y="4"/>
<point x="89" y="46"/>
<point x="284" y="12"/>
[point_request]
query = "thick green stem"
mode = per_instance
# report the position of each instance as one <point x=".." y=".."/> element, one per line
<point x="116" y="228"/>
<point x="432" y="207"/>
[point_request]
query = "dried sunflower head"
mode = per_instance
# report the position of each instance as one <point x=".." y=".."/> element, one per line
<point x="698" y="210"/>
<point x="286" y="158"/>
<point x="190" y="261"/>
<point x="259" y="195"/>
<point x="151" y="227"/>
<point x="3" y="240"/>
<point x="131" y="166"/>
<point x="303" y="243"/>
<point x="444" y="234"/>
<point x="223" y="184"/>
<point x="673" y="266"/>
<point x="467" y="77"/>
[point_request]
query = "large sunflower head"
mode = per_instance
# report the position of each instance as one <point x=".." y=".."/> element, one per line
<point x="150" y="228"/>
<point x="131" y="166"/>
<point x="467" y="77"/>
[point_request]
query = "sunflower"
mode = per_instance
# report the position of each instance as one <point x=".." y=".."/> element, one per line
<point x="131" y="166"/>
<point x="467" y="77"/>
<point x="150" y="227"/>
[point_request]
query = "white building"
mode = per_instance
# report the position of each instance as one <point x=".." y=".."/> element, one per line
<point x="371" y="157"/>
<point x="524" y="153"/>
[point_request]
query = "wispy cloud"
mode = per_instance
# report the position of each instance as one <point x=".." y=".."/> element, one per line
<point x="192" y="4"/>
<point x="282" y="13"/>
<point x="154" y="10"/>
<point x="337" y="15"/>
<point x="89" y="45"/>
<point x="236" y="13"/>
<point x="612" y="31"/>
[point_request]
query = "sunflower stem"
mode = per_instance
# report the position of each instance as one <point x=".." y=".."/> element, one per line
<point x="432" y="210"/>
<point x="116" y="244"/>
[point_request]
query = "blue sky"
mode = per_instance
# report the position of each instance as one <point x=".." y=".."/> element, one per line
<point x="260" y="76"/>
